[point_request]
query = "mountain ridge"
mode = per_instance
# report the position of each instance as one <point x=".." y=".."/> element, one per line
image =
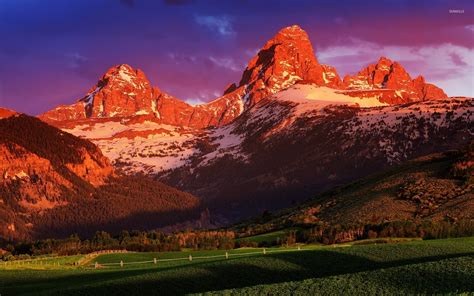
<point x="389" y="75"/>
<point x="285" y="59"/>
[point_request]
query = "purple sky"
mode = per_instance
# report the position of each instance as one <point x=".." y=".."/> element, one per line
<point x="53" y="51"/>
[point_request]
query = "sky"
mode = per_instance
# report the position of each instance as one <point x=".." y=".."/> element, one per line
<point x="53" y="51"/>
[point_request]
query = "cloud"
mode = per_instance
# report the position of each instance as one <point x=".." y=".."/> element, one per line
<point x="75" y="60"/>
<point x="457" y="60"/>
<point x="208" y="61"/>
<point x="182" y="58"/>
<point x="219" y="24"/>
<point x="195" y="101"/>
<point x="227" y="63"/>
<point x="470" y="27"/>
<point x="447" y="65"/>
<point x="83" y="66"/>
<point x="203" y="96"/>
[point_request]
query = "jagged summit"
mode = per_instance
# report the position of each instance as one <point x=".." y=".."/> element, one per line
<point x="122" y="91"/>
<point x="286" y="58"/>
<point x="292" y="28"/>
<point x="124" y="74"/>
<point x="383" y="59"/>
<point x="397" y="84"/>
<point x="290" y="33"/>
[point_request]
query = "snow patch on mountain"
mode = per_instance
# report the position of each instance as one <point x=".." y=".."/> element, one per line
<point x="152" y="147"/>
<point x="319" y="96"/>
<point x="309" y="98"/>
<point x="145" y="147"/>
<point x="228" y="142"/>
<point x="415" y="121"/>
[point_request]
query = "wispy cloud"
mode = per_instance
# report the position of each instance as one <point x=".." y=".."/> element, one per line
<point x="470" y="27"/>
<point x="194" y="101"/>
<point x="213" y="61"/>
<point x="203" y="96"/>
<point x="219" y="24"/>
<point x="227" y="63"/>
<point x="75" y="60"/>
<point x="182" y="58"/>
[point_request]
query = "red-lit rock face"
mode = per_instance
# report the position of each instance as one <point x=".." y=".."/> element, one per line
<point x="392" y="83"/>
<point x="286" y="59"/>
<point x="218" y="112"/>
<point x="126" y="92"/>
<point x="5" y="113"/>
<point x="330" y="76"/>
<point x="122" y="91"/>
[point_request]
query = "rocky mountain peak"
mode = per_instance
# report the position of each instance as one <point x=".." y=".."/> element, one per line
<point x="122" y="91"/>
<point x="291" y="35"/>
<point x="126" y="92"/>
<point x="124" y="74"/>
<point x="384" y="61"/>
<point x="286" y="58"/>
<point x="396" y="82"/>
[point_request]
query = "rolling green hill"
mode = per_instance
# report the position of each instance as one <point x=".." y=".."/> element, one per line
<point x="441" y="266"/>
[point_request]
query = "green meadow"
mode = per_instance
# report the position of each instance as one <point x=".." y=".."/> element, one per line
<point x="373" y="268"/>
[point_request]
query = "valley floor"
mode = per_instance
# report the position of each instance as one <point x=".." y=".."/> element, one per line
<point x="413" y="267"/>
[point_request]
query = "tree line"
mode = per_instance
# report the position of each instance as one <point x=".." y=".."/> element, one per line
<point x="137" y="241"/>
<point x="327" y="234"/>
<point x="152" y="241"/>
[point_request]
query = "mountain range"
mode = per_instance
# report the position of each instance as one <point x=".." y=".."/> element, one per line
<point x="284" y="60"/>
<point x="289" y="129"/>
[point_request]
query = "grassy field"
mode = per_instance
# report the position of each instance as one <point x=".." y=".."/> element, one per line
<point x="270" y="237"/>
<point x="44" y="262"/>
<point x="437" y="266"/>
